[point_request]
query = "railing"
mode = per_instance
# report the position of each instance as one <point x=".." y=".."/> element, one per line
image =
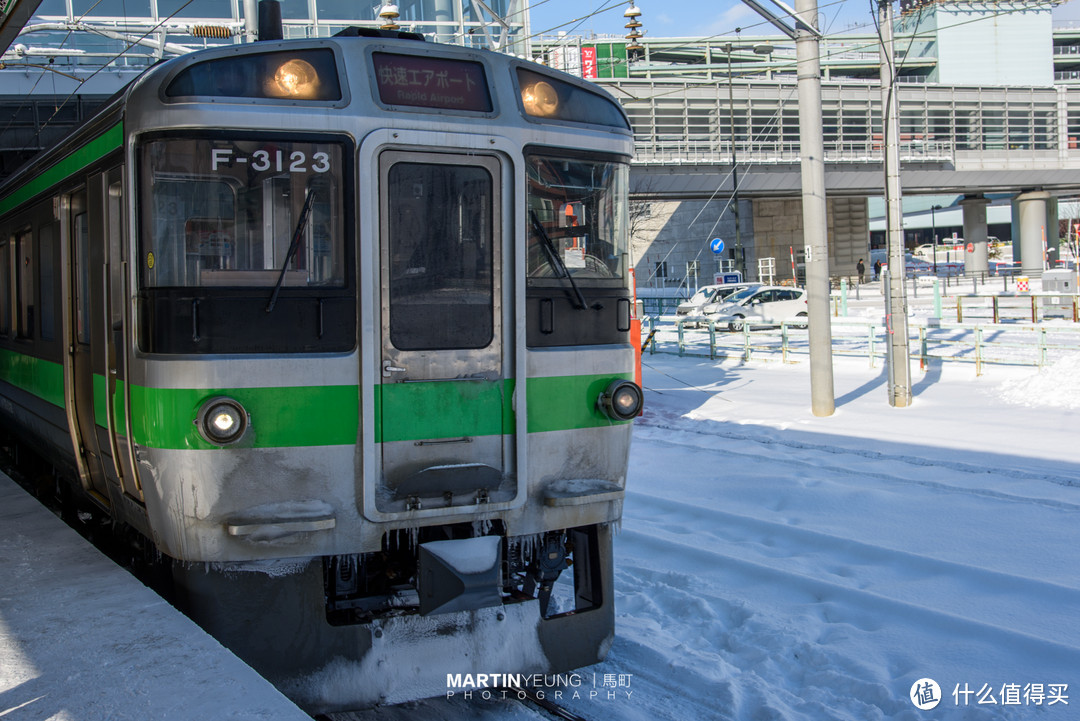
<point x="660" y="305"/>
<point x="1025" y="305"/>
<point x="648" y="149"/>
<point x="980" y="344"/>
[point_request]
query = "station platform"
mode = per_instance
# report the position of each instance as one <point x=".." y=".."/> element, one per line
<point x="83" y="640"/>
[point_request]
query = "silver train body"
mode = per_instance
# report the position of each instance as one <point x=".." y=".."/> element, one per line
<point x="343" y="327"/>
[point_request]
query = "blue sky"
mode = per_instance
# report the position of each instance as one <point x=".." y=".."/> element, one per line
<point x="678" y="18"/>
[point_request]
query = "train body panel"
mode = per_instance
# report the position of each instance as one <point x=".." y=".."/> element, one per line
<point x="353" y="308"/>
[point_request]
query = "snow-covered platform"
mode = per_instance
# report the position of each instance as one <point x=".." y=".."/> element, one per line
<point x="80" y="638"/>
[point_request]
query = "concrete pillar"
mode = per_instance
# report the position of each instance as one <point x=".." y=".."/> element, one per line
<point x="975" y="236"/>
<point x="1053" y="239"/>
<point x="1033" y="231"/>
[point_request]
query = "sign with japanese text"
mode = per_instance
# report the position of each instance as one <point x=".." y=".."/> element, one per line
<point x="429" y="82"/>
<point x="588" y="63"/>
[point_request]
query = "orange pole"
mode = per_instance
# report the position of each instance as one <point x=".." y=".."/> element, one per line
<point x="635" y="329"/>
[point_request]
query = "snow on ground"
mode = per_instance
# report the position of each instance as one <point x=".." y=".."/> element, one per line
<point x="776" y="565"/>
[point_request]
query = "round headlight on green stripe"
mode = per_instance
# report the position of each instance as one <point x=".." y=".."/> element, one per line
<point x="222" y="421"/>
<point x="621" y="400"/>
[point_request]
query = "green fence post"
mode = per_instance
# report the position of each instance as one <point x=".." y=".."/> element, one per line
<point x="978" y="350"/>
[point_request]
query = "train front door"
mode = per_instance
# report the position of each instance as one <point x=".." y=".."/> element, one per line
<point x="443" y="407"/>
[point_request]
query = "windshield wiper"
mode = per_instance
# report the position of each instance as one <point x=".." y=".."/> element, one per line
<point x="555" y="260"/>
<point x="309" y="199"/>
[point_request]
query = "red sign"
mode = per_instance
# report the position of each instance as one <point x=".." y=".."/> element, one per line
<point x="429" y="82"/>
<point x="971" y="247"/>
<point x="588" y="63"/>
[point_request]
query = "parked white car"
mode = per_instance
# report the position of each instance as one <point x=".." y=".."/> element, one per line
<point x="708" y="295"/>
<point x="762" y="305"/>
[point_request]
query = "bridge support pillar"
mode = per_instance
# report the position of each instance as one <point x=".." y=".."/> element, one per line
<point x="978" y="260"/>
<point x="1035" y="231"/>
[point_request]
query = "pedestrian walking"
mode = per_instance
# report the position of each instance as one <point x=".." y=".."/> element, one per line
<point x="861" y="267"/>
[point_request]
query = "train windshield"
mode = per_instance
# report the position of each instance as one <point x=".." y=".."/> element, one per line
<point x="578" y="220"/>
<point x="241" y="213"/>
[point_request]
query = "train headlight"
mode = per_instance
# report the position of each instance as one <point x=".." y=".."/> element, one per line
<point x="621" y="400"/>
<point x="294" y="78"/>
<point x="222" y="421"/>
<point x="540" y="99"/>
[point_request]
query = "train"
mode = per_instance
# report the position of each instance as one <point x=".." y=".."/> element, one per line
<point x="340" y="329"/>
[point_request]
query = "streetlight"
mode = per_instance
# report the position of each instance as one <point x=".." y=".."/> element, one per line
<point x="759" y="49"/>
<point x="933" y="234"/>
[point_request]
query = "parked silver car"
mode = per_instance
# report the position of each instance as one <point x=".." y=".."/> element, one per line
<point x="708" y="295"/>
<point x="763" y="305"/>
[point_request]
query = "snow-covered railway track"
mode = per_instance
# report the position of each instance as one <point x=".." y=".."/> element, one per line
<point x="925" y="589"/>
<point x="774" y="542"/>
<point x="863" y="463"/>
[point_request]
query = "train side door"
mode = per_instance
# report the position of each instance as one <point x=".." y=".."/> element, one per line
<point x="81" y="358"/>
<point x="114" y="298"/>
<point x="443" y="409"/>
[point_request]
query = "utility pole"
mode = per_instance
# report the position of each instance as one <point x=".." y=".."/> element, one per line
<point x="815" y="218"/>
<point x="897" y="357"/>
<point x="728" y="48"/>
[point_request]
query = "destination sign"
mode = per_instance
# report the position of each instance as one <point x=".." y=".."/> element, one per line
<point x="428" y="82"/>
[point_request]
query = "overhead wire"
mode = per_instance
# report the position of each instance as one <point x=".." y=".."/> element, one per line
<point x="111" y="60"/>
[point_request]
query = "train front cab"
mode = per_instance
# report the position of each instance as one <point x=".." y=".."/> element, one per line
<point x="377" y="377"/>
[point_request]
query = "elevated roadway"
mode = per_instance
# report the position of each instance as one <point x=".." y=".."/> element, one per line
<point x="966" y="140"/>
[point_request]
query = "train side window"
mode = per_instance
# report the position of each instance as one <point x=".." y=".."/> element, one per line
<point x="24" y="284"/>
<point x="116" y="254"/>
<point x="6" y="287"/>
<point x="81" y="231"/>
<point x="47" y="281"/>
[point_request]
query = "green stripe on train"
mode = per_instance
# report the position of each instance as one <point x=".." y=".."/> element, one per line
<point x="561" y="403"/>
<point x="42" y="378"/>
<point x="280" y="417"/>
<point x="418" y="411"/>
<point x="329" y="415"/>
<point x="92" y="151"/>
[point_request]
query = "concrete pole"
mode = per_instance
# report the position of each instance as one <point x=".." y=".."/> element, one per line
<point x="897" y="358"/>
<point x="734" y="163"/>
<point x="815" y="218"/>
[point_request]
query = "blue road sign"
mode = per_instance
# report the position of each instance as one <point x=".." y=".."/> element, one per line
<point x="716" y="245"/>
